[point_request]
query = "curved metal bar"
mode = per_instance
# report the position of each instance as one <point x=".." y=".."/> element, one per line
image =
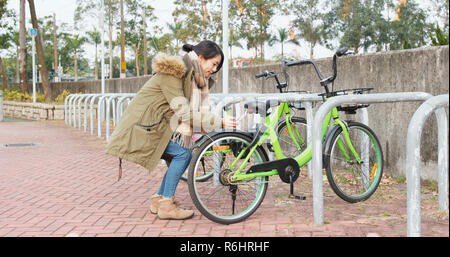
<point x="413" y="137"/>
<point x="323" y="110"/>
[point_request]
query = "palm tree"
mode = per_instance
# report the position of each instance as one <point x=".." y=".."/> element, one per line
<point x="94" y="37"/>
<point x="281" y="38"/>
<point x="74" y="43"/>
<point x="176" y="29"/>
<point x="233" y="41"/>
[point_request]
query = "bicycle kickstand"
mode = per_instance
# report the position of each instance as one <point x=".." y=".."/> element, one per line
<point x="291" y="192"/>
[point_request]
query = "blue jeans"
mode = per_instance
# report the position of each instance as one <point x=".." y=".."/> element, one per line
<point x="181" y="159"/>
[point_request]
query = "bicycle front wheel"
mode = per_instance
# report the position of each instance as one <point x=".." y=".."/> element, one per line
<point x="216" y="197"/>
<point x="292" y="142"/>
<point x="351" y="179"/>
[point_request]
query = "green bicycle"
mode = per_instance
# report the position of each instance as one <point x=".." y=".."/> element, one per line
<point x="291" y="147"/>
<point x="241" y="168"/>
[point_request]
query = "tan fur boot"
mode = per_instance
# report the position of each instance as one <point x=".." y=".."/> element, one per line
<point x="168" y="209"/>
<point x="154" y="206"/>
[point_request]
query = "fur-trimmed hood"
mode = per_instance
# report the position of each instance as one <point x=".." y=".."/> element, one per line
<point x="172" y="65"/>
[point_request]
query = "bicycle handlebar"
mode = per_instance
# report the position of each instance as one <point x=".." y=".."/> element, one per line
<point x="260" y="75"/>
<point x="323" y="81"/>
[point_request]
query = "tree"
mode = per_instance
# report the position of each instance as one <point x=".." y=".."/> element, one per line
<point x="411" y="30"/>
<point x="7" y="24"/>
<point x="23" y="49"/>
<point x="190" y="13"/>
<point x="94" y="37"/>
<point x="123" y="64"/>
<point x="175" y="29"/>
<point x="134" y="33"/>
<point x="309" y="22"/>
<point x="73" y="48"/>
<point x="92" y="8"/>
<point x="358" y="23"/>
<point x="281" y="38"/>
<point x="112" y="8"/>
<point x="439" y="38"/>
<point x="40" y="53"/>
<point x="255" y="21"/>
<point x="233" y="40"/>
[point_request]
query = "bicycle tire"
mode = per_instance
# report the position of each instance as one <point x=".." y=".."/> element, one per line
<point x="347" y="176"/>
<point x="290" y="149"/>
<point x="213" y="200"/>
<point x="199" y="177"/>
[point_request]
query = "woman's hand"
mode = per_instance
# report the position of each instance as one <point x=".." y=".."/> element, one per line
<point x="229" y="122"/>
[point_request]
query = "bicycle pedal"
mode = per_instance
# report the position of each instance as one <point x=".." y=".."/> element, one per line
<point x="297" y="197"/>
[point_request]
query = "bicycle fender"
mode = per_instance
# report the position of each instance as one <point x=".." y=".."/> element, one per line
<point x="204" y="137"/>
<point x="327" y="143"/>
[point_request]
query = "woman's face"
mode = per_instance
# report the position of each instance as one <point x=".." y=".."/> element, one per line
<point x="210" y="65"/>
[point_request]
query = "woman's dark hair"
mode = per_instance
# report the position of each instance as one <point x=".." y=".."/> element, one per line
<point x="208" y="49"/>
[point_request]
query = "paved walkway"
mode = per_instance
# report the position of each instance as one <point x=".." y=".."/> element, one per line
<point x="67" y="186"/>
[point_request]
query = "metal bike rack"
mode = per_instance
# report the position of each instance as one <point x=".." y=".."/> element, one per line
<point x="71" y="112"/>
<point x="110" y="101"/>
<point x="416" y="124"/>
<point x="120" y="106"/>
<point x="317" y="142"/>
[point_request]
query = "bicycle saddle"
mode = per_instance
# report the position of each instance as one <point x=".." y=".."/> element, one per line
<point x="260" y="106"/>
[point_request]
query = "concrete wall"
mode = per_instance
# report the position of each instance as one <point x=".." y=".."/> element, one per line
<point x="417" y="70"/>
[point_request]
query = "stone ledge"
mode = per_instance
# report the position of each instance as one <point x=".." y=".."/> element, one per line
<point x="33" y="111"/>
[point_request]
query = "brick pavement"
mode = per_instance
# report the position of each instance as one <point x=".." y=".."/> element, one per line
<point x="67" y="186"/>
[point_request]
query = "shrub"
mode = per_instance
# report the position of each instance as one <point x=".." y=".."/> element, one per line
<point x="17" y="95"/>
<point x="61" y="97"/>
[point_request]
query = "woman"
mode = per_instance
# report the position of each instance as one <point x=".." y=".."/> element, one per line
<point x="162" y="117"/>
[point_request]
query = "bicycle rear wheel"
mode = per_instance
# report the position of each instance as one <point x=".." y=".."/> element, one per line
<point x="216" y="197"/>
<point x="351" y="180"/>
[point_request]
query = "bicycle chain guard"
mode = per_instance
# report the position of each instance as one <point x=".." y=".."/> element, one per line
<point x="285" y="167"/>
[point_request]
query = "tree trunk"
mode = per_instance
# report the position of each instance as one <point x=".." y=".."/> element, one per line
<point x="110" y="54"/>
<point x="145" y="43"/>
<point x="55" y="49"/>
<point x="17" y="65"/>
<point x="3" y="74"/>
<point x="96" y="63"/>
<point x="40" y="53"/>
<point x="23" y="49"/>
<point x="231" y="56"/>
<point x="123" y="64"/>
<point x="76" y="67"/>
<point x="136" y="57"/>
<point x="311" y="52"/>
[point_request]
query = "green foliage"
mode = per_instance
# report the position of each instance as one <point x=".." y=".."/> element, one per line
<point x="439" y="38"/>
<point x="61" y="97"/>
<point x="17" y="95"/>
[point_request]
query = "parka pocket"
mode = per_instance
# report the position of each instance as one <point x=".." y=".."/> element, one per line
<point x="144" y="137"/>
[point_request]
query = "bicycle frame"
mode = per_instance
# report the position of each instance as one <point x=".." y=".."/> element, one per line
<point x="303" y="158"/>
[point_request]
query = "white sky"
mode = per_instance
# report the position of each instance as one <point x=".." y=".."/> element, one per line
<point x="64" y="10"/>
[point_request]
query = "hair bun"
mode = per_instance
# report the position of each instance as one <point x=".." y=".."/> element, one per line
<point x="188" y="47"/>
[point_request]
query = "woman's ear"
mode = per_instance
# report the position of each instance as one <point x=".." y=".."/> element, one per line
<point x="201" y="58"/>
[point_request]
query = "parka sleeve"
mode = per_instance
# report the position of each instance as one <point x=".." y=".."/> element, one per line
<point x="172" y="89"/>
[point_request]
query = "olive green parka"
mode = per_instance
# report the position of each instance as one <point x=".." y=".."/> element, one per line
<point x="144" y="130"/>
